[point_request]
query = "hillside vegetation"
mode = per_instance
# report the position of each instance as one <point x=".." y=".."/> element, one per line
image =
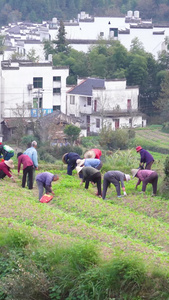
<point x="79" y="246"/>
<point x="39" y="10"/>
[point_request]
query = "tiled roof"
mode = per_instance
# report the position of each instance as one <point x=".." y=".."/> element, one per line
<point x="86" y="86"/>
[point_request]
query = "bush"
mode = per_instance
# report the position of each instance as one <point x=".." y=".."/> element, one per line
<point x="112" y="140"/>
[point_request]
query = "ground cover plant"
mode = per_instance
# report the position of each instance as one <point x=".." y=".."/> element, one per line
<point x="79" y="246"/>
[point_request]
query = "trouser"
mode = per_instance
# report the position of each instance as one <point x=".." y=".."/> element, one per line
<point x="28" y="170"/>
<point x="41" y="186"/>
<point x="70" y="168"/>
<point x="96" y="178"/>
<point x="153" y="179"/>
<point x="33" y="178"/>
<point x="106" y="183"/>
<point x="2" y="174"/>
<point x="148" y="167"/>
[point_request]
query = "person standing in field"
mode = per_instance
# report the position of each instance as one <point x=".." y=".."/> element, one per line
<point x="115" y="177"/>
<point x="32" y="153"/>
<point x="146" y="158"/>
<point x="146" y="176"/>
<point x="27" y="169"/>
<point x="44" y="180"/>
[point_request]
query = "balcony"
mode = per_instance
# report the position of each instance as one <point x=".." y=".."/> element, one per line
<point x="86" y="110"/>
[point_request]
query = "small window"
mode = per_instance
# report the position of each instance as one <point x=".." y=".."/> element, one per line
<point x="38" y="82"/>
<point x="56" y="78"/>
<point x="101" y="33"/>
<point x="89" y="101"/>
<point x="56" y="90"/>
<point x="36" y="104"/>
<point x="97" y="123"/>
<point x="72" y="99"/>
<point x="56" y="107"/>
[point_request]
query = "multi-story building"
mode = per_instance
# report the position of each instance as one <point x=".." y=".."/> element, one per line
<point x="100" y="102"/>
<point x="31" y="89"/>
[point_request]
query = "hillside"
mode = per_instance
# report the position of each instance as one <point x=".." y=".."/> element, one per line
<point x="39" y="10"/>
<point x="133" y="226"/>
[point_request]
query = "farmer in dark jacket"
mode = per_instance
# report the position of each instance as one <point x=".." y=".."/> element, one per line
<point x="44" y="180"/>
<point x="115" y="177"/>
<point x="146" y="176"/>
<point x="146" y="158"/>
<point x="70" y="159"/>
<point x="6" y="152"/>
<point x="90" y="174"/>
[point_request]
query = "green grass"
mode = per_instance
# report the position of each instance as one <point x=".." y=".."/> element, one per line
<point x="79" y="246"/>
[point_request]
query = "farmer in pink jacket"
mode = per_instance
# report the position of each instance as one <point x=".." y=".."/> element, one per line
<point x="146" y="176"/>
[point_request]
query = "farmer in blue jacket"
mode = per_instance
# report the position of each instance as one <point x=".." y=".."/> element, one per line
<point x="70" y="159"/>
<point x="146" y="158"/>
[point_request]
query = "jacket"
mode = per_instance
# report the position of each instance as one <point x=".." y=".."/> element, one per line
<point x="32" y="153"/>
<point x="25" y="160"/>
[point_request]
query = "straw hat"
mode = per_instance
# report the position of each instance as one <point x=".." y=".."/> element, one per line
<point x="78" y="169"/>
<point x="80" y="162"/>
<point x="134" y="172"/>
<point x="63" y="158"/>
<point x="90" y="154"/>
<point x="127" y="176"/>
<point x="9" y="163"/>
<point x="138" y="148"/>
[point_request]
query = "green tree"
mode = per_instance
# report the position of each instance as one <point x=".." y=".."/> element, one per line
<point x="32" y="55"/>
<point x="162" y="103"/>
<point x="72" y="132"/>
<point x="61" y="42"/>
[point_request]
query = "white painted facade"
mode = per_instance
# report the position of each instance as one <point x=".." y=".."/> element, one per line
<point x="39" y="87"/>
<point x="115" y="105"/>
<point x="83" y="32"/>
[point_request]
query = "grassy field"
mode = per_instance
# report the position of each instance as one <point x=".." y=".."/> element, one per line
<point x="135" y="226"/>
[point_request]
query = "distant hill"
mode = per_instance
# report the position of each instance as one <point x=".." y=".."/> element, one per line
<point x="39" y="10"/>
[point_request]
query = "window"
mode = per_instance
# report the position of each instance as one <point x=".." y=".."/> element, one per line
<point x="56" y="107"/>
<point x="101" y="33"/>
<point x="97" y="123"/>
<point x="72" y="99"/>
<point x="56" y="78"/>
<point x="56" y="90"/>
<point x="38" y="82"/>
<point x="89" y="101"/>
<point x="95" y="105"/>
<point x="128" y="104"/>
<point x="36" y="104"/>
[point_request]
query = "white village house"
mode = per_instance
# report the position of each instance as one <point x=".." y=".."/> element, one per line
<point x="101" y="102"/>
<point x="36" y="89"/>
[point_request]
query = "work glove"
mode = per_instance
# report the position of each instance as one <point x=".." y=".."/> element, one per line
<point x="125" y="194"/>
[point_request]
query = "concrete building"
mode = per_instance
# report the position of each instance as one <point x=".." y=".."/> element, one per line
<point x="31" y="90"/>
<point x="99" y="103"/>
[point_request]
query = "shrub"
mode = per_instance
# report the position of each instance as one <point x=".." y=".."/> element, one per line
<point x="166" y="166"/>
<point x="112" y="140"/>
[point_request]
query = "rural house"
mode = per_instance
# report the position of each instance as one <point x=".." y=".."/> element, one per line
<point x="31" y="90"/>
<point x="101" y="102"/>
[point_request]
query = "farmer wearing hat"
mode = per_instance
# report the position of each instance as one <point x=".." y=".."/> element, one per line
<point x="146" y="158"/>
<point x="70" y="159"/>
<point x="146" y="176"/>
<point x="89" y="162"/>
<point x="115" y="177"/>
<point x="5" y="169"/>
<point x="90" y="174"/>
<point x="93" y="153"/>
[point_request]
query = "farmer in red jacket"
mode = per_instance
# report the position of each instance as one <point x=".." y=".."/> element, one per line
<point x="93" y="153"/>
<point x="5" y="169"/>
<point x="27" y="169"/>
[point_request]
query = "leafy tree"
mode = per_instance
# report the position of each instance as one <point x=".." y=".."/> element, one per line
<point x="32" y="55"/>
<point x="60" y="42"/>
<point x="162" y="103"/>
<point x="72" y="132"/>
<point x="137" y="47"/>
<point x="137" y="70"/>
